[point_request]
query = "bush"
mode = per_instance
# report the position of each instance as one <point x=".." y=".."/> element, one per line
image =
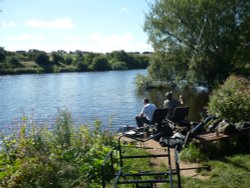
<point x="63" y="157"/>
<point x="231" y="100"/>
<point x="143" y="82"/>
<point x="192" y="154"/>
<point x="119" y="65"/>
<point x="100" y="63"/>
<point x="14" y="62"/>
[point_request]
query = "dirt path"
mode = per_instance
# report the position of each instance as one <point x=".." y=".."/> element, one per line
<point x="162" y="161"/>
<point x="159" y="162"/>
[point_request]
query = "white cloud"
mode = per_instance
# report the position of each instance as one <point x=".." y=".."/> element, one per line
<point x="9" y="24"/>
<point x="72" y="38"/>
<point x="110" y="39"/>
<point x="95" y="42"/>
<point x="98" y="42"/>
<point x="124" y="9"/>
<point x="26" y="37"/>
<point x="63" y="23"/>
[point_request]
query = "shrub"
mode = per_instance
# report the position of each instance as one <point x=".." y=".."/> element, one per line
<point x="143" y="82"/>
<point x="14" y="62"/>
<point x="192" y="154"/>
<point x="119" y="65"/>
<point x="62" y="157"/>
<point x="100" y="63"/>
<point x="231" y="100"/>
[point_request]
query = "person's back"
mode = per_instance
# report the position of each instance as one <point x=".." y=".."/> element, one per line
<point x="171" y="104"/>
<point x="149" y="111"/>
<point x="146" y="113"/>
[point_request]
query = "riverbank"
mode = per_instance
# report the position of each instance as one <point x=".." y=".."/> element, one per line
<point x="35" y="61"/>
<point x="226" y="171"/>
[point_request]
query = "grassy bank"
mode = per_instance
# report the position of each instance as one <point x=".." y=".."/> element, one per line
<point x="227" y="172"/>
<point x="68" y="157"/>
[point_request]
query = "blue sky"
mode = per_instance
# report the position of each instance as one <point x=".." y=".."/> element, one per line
<point x="87" y="25"/>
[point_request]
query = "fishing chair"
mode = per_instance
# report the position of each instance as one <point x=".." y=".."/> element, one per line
<point x="180" y="119"/>
<point x="157" y="128"/>
<point x="180" y="114"/>
<point x="158" y="124"/>
<point x="159" y="116"/>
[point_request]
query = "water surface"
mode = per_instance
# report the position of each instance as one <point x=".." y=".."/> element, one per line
<point x="109" y="96"/>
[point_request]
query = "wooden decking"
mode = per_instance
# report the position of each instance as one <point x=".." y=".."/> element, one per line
<point x="210" y="137"/>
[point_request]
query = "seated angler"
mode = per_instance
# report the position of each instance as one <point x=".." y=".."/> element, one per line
<point x="146" y="113"/>
<point x="170" y="103"/>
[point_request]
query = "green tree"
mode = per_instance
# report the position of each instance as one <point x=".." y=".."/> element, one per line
<point x="57" y="58"/>
<point x="142" y="61"/>
<point x="81" y="65"/>
<point x="68" y="60"/>
<point x="14" y="62"/>
<point x="199" y="39"/>
<point x="119" y="65"/>
<point x="100" y="63"/>
<point x="42" y="59"/>
<point x="2" y="54"/>
<point x="231" y="100"/>
<point x="122" y="56"/>
<point x="88" y="58"/>
<point x="119" y="55"/>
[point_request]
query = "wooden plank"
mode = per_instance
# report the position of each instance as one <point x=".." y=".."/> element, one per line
<point x="210" y="137"/>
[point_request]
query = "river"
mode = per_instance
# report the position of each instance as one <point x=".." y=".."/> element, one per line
<point x="109" y="96"/>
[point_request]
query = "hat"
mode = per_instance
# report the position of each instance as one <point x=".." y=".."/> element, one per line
<point x="169" y="93"/>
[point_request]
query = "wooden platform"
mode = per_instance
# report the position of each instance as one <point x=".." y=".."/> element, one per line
<point x="210" y="137"/>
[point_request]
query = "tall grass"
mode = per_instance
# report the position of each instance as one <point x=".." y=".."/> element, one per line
<point x="62" y="157"/>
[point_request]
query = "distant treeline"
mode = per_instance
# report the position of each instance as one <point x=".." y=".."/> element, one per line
<point x="35" y="61"/>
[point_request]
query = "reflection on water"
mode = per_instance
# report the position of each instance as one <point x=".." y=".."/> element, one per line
<point x="109" y="96"/>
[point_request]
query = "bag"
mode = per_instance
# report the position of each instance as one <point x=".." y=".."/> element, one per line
<point x="198" y="129"/>
<point x="164" y="130"/>
<point x="226" y="128"/>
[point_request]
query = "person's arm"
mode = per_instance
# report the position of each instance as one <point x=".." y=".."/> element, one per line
<point x="181" y="100"/>
<point x="142" y="112"/>
<point x="165" y="104"/>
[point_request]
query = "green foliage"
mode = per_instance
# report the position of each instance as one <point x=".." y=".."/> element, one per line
<point x="100" y="63"/>
<point x="2" y="54"/>
<point x="162" y="71"/>
<point x="35" y="61"/>
<point x="198" y="40"/>
<point x="192" y="154"/>
<point x="120" y="56"/>
<point x="13" y="62"/>
<point x="68" y="60"/>
<point x="42" y="59"/>
<point x="227" y="172"/>
<point x="141" y="61"/>
<point x="119" y="65"/>
<point x="132" y="61"/>
<point x="63" y="157"/>
<point x="57" y="58"/>
<point x="143" y="82"/>
<point x="63" y="131"/>
<point x="231" y="100"/>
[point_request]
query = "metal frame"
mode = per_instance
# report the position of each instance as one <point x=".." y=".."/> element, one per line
<point x="109" y="156"/>
<point x="120" y="176"/>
